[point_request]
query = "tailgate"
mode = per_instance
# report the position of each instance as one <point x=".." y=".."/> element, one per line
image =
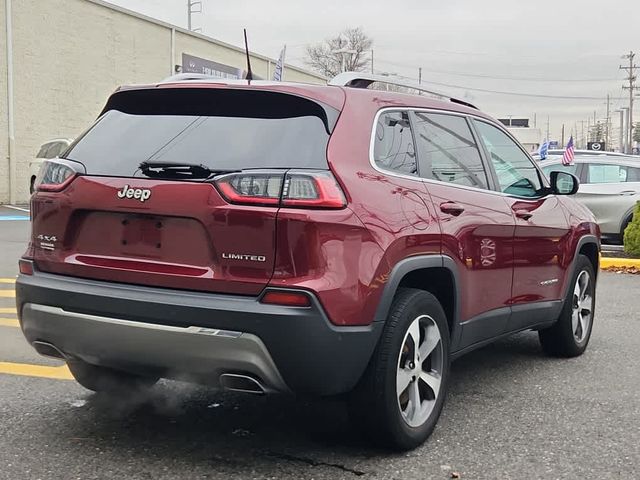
<point x="184" y="235"/>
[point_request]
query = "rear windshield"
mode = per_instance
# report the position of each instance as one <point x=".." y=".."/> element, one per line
<point x="221" y="129"/>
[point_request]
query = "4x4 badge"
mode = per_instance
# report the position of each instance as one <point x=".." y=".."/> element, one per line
<point x="141" y="194"/>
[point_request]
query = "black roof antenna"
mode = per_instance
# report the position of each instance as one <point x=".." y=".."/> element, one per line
<point x="249" y="76"/>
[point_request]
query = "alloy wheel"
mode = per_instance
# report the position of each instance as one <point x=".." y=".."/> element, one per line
<point x="582" y="303"/>
<point x="419" y="372"/>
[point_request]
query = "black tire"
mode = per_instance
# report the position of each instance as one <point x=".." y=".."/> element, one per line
<point x="560" y="340"/>
<point x="102" y="379"/>
<point x="374" y="405"/>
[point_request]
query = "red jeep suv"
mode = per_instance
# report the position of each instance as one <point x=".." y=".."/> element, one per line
<point x="272" y="237"/>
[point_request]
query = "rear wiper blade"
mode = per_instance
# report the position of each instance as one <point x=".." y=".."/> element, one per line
<point x="178" y="170"/>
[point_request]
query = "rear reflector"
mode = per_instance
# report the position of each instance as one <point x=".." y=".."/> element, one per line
<point x="25" y="266"/>
<point x="289" y="299"/>
<point x="299" y="189"/>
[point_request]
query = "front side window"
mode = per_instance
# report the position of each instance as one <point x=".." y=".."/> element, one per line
<point x="559" y="167"/>
<point x="516" y="173"/>
<point x="447" y="150"/>
<point x="393" y="147"/>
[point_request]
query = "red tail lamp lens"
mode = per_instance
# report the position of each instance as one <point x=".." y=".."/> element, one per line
<point x="25" y="266"/>
<point x="251" y="188"/>
<point x="299" y="189"/>
<point x="313" y="189"/>
<point x="289" y="299"/>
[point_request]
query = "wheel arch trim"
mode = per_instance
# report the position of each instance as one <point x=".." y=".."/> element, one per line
<point x="411" y="264"/>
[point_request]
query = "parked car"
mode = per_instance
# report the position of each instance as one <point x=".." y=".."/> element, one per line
<point x="560" y="151"/>
<point x="609" y="187"/>
<point x="322" y="240"/>
<point x="48" y="150"/>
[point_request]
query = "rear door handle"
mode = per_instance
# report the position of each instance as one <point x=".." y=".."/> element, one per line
<point x="451" y="208"/>
<point x="523" y="214"/>
<point x="628" y="192"/>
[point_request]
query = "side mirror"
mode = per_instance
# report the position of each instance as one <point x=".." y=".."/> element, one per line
<point x="563" y="183"/>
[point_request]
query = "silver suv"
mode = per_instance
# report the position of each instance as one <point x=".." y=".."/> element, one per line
<point x="609" y="187"/>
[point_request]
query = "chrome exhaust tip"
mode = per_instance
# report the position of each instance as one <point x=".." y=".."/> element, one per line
<point x="241" y="383"/>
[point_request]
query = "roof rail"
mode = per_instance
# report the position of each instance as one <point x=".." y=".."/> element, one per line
<point x="363" y="80"/>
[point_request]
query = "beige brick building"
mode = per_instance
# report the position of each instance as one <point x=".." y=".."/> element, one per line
<point x="67" y="56"/>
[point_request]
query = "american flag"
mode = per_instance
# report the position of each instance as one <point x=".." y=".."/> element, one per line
<point x="567" y="157"/>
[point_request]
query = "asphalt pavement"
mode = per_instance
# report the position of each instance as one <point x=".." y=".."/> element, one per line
<point x="512" y="413"/>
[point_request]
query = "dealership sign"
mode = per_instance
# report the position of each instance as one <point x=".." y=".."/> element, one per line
<point x="596" y="146"/>
<point x="191" y="64"/>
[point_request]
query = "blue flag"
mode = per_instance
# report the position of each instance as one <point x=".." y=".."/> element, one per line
<point x="543" y="150"/>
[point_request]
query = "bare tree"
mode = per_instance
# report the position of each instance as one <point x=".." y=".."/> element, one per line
<point x="347" y="51"/>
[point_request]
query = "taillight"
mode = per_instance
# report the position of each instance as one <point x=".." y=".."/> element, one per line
<point x="298" y="188"/>
<point x="314" y="189"/>
<point x="56" y="175"/>
<point x="251" y="188"/>
<point x="287" y="299"/>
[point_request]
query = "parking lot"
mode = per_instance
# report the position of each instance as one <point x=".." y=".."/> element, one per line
<point x="511" y="413"/>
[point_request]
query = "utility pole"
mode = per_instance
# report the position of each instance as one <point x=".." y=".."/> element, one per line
<point x="548" y="139"/>
<point x="584" y="139"/>
<point x="563" y="134"/>
<point x="420" y="76"/>
<point x="606" y="128"/>
<point x="372" y="61"/>
<point x="631" y="69"/>
<point x="622" y="130"/>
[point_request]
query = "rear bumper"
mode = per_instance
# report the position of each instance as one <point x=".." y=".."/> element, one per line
<point x="192" y="335"/>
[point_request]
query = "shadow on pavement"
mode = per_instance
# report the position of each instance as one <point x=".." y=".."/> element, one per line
<point x="229" y="432"/>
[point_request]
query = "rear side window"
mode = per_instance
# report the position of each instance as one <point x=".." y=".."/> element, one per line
<point x="222" y="129"/>
<point x="607" y="173"/>
<point x="448" y="151"/>
<point x="393" y="147"/>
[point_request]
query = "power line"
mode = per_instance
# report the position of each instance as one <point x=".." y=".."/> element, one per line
<point x="501" y="92"/>
<point x="501" y="77"/>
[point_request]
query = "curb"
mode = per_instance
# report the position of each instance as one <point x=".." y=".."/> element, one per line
<point x="611" y="262"/>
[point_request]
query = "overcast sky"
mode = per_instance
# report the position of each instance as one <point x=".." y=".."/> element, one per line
<point x="543" y="47"/>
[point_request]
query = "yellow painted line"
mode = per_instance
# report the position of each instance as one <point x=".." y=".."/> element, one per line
<point x="27" y="370"/>
<point x="9" y="322"/>
<point x="7" y="280"/>
<point x="608" y="262"/>
<point x="8" y="310"/>
<point x="7" y="293"/>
